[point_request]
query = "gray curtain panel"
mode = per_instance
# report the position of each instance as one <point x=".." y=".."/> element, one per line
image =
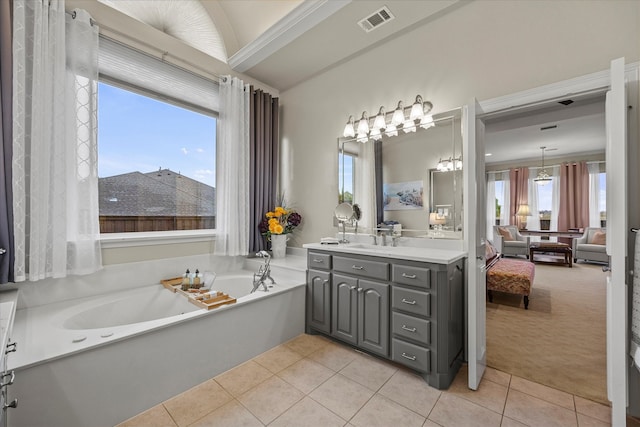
<point x="264" y="160"/>
<point x="6" y="146"/>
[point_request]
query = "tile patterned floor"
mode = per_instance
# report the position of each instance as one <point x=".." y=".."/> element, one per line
<point x="312" y="381"/>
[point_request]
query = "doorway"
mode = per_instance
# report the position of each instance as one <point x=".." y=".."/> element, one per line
<point x="560" y="341"/>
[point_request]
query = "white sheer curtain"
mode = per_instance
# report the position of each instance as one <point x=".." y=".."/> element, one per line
<point x="533" y="222"/>
<point x="505" y="218"/>
<point x="594" y="194"/>
<point x="365" y="191"/>
<point x="491" y="204"/>
<point x="55" y="177"/>
<point x="555" y="197"/>
<point x="232" y="178"/>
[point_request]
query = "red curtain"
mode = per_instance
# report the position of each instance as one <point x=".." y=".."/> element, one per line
<point x="519" y="192"/>
<point x="574" y="196"/>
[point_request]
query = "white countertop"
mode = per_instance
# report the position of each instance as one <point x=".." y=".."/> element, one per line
<point x="439" y="256"/>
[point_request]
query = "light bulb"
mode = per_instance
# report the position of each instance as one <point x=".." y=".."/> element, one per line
<point x="349" y="131"/>
<point x="398" y="115"/>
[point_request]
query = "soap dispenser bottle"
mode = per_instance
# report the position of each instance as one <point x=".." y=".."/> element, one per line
<point x="185" y="280"/>
<point x="197" y="280"/>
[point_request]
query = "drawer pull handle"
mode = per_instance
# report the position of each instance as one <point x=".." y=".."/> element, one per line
<point x="11" y="374"/>
<point x="409" y="302"/>
<point x="408" y="329"/>
<point x="317" y="260"/>
<point x="406" y="356"/>
<point x="409" y="276"/>
<point x="13" y="404"/>
<point x="353" y="287"/>
<point x="357" y="267"/>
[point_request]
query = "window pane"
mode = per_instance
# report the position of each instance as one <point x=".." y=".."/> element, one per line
<point x="602" y="199"/>
<point x="346" y="163"/>
<point x="544" y="204"/>
<point x="156" y="164"/>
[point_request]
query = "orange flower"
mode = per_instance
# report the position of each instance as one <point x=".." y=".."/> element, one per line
<point x="276" y="228"/>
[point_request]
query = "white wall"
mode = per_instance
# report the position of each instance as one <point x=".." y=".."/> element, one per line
<point x="484" y="49"/>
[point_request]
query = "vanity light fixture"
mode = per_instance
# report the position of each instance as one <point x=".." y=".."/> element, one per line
<point x="398" y="115"/>
<point x="365" y="130"/>
<point x="417" y="109"/>
<point x="363" y="124"/>
<point x="375" y="134"/>
<point x="391" y="130"/>
<point x="349" y="130"/>
<point x="409" y="126"/>
<point x="449" y="164"/>
<point x="379" y="122"/>
<point x="543" y="177"/>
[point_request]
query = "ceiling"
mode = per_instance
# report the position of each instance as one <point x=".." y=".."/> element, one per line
<point x="285" y="42"/>
<point x="565" y="130"/>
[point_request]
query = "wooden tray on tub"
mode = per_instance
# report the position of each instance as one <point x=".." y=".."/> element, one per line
<point x="200" y="297"/>
<point x="212" y="302"/>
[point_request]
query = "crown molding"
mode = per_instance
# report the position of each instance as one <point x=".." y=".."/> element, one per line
<point x="594" y="82"/>
<point x="290" y="27"/>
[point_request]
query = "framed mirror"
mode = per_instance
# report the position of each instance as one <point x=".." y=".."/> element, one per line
<point x="394" y="178"/>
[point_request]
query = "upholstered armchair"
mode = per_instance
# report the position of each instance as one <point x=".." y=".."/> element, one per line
<point x="510" y="242"/>
<point x="591" y="246"/>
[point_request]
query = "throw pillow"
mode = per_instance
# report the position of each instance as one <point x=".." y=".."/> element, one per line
<point x="505" y="233"/>
<point x="599" y="238"/>
<point x="490" y="252"/>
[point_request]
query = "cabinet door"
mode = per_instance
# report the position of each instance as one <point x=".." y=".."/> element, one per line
<point x="319" y="300"/>
<point x="344" y="308"/>
<point x="373" y="316"/>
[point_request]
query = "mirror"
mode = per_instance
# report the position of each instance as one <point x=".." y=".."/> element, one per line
<point x="401" y="173"/>
<point x="343" y="213"/>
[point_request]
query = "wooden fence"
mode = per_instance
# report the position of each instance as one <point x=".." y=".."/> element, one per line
<point x="128" y="224"/>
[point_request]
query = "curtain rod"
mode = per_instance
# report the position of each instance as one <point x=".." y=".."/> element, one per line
<point x="163" y="52"/>
<point x="594" y="162"/>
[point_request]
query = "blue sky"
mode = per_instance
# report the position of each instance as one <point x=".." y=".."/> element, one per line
<point x="137" y="133"/>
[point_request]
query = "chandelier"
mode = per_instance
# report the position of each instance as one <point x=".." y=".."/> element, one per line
<point x="543" y="177"/>
<point x="390" y="123"/>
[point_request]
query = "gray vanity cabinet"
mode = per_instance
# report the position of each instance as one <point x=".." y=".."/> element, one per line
<point x="360" y="313"/>
<point x="411" y="312"/>
<point x="319" y="300"/>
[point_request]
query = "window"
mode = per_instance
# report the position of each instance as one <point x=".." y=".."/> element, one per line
<point x="346" y="177"/>
<point x="156" y="143"/>
<point x="501" y="210"/>
<point x="156" y="164"/>
<point x="545" y="211"/>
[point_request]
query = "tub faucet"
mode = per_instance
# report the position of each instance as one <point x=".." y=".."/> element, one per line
<point x="263" y="273"/>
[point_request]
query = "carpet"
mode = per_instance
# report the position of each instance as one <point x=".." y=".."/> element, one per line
<point x="560" y="341"/>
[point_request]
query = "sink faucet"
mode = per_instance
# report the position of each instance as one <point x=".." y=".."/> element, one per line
<point x="263" y="273"/>
<point x="384" y="232"/>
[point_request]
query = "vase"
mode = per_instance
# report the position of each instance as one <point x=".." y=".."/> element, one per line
<point x="279" y="245"/>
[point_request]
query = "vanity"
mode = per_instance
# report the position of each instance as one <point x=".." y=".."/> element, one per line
<point x="404" y="304"/>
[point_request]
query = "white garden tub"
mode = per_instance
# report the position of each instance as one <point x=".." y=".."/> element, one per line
<point x="101" y="360"/>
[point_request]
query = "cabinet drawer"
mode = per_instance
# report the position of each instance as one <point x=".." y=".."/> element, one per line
<point x="411" y="327"/>
<point x="413" y="356"/>
<point x="413" y="276"/>
<point x="364" y="268"/>
<point x="411" y="300"/>
<point x="318" y="260"/>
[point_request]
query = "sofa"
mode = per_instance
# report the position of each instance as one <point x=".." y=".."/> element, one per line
<point x="509" y="241"/>
<point x="591" y="246"/>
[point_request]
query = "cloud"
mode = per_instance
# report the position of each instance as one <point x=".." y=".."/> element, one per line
<point x="185" y="151"/>
<point x="200" y="150"/>
<point x="204" y="172"/>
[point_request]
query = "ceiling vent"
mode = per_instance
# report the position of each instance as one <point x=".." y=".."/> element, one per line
<point x="376" y="19"/>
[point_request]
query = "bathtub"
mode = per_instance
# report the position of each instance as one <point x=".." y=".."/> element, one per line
<point x="100" y="360"/>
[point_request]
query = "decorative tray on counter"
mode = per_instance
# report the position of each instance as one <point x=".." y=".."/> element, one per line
<point x="203" y="298"/>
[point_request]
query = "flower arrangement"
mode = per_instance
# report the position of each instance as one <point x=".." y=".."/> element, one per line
<point x="279" y="221"/>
